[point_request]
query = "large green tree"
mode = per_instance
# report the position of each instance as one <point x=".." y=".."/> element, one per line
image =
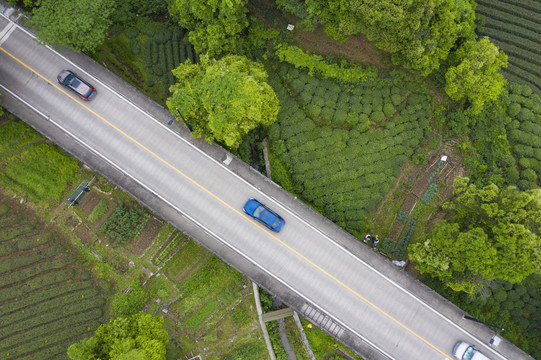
<point x="77" y="24"/>
<point x="492" y="234"/>
<point x="477" y="78"/>
<point x="135" y="337"/>
<point x="223" y="99"/>
<point x="218" y="27"/>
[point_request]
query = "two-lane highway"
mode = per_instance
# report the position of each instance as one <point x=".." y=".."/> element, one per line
<point x="351" y="295"/>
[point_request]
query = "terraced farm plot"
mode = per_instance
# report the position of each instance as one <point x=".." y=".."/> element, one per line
<point x="515" y="27"/>
<point x="342" y="147"/>
<point x="46" y="301"/>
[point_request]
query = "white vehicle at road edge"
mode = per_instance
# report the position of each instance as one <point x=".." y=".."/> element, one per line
<point x="465" y="351"/>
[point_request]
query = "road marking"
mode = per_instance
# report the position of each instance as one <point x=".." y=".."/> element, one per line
<point x="4" y="34"/>
<point x="230" y="207"/>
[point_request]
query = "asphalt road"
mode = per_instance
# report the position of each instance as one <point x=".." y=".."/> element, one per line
<point x="321" y="271"/>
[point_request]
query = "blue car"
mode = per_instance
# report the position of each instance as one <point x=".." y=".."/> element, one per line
<point x="264" y="215"/>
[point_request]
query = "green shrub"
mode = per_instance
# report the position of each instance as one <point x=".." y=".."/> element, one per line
<point x="125" y="224"/>
<point x="396" y="99"/>
<point x="529" y="174"/>
<point x="327" y="114"/>
<point x="130" y="303"/>
<point x="514" y="109"/>
<point x="340" y="117"/>
<point x="526" y="115"/>
<point x="313" y="110"/>
<point x="377" y="116"/>
<point x="387" y="246"/>
<point x="419" y="157"/>
<point x="388" y="109"/>
<point x="297" y="85"/>
<point x="367" y="108"/>
<point x="316" y="63"/>
<point x="132" y="32"/>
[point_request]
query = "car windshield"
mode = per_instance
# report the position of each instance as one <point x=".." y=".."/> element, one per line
<point x="468" y="354"/>
<point x="68" y="79"/>
<point x="258" y="210"/>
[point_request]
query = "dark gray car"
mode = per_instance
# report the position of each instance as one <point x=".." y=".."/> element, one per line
<point x="73" y="82"/>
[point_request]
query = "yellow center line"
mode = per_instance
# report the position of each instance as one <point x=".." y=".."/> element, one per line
<point x="232" y="208"/>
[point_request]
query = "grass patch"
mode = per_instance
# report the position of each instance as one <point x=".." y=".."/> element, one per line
<point x="40" y="172"/>
<point x="98" y="211"/>
<point x="16" y="134"/>
<point x="323" y="345"/>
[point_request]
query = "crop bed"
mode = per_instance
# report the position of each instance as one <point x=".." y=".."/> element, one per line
<point x="515" y="26"/>
<point x="46" y="301"/>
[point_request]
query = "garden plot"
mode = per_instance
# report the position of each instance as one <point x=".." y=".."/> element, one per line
<point x="46" y="301"/>
<point x="514" y="26"/>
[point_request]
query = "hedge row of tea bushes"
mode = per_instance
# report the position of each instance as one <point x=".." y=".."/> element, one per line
<point x="524" y="132"/>
<point x="145" y="53"/>
<point x="164" y="49"/>
<point x="344" y="145"/>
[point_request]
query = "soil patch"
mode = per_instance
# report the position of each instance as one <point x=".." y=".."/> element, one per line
<point x="148" y="234"/>
<point x="89" y="202"/>
<point x="84" y="234"/>
<point x="356" y="49"/>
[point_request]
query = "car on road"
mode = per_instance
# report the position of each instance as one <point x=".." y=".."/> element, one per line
<point x="465" y="351"/>
<point x="73" y="82"/>
<point x="264" y="215"/>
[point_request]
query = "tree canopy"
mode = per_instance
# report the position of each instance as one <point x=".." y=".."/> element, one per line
<point x="218" y="27"/>
<point x="135" y="337"/>
<point x="77" y="24"/>
<point x="493" y="234"/>
<point x="223" y="99"/>
<point x="476" y="78"/>
<point x="418" y="33"/>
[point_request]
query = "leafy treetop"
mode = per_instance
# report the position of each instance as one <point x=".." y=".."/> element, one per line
<point x="493" y="234"/>
<point x="77" y="24"/>
<point x="219" y="27"/>
<point x="135" y="337"/>
<point x="477" y="77"/>
<point x="223" y="99"/>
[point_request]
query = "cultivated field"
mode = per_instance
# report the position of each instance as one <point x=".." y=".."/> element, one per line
<point x="515" y="27"/>
<point x="47" y="301"/>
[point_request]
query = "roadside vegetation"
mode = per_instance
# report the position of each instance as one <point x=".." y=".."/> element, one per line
<point x="377" y="146"/>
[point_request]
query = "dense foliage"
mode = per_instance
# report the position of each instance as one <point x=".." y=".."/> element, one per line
<point x="494" y="233"/>
<point x="316" y="65"/>
<point x="223" y="99"/>
<point x="77" y="24"/>
<point x="477" y="77"/>
<point x="514" y="307"/>
<point x="125" y="224"/>
<point x="418" y="33"/>
<point x="130" y="303"/>
<point x="219" y="28"/>
<point x="135" y="337"/>
<point x="343" y="146"/>
<point x="506" y="139"/>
